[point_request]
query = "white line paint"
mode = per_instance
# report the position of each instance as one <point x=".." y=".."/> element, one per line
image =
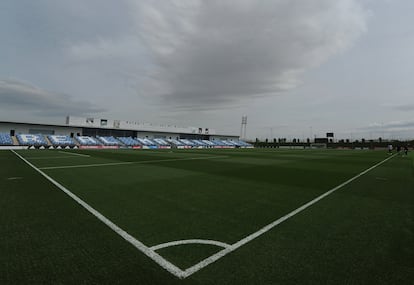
<point x="87" y="165"/>
<point x="48" y="157"/>
<point x="136" y="243"/>
<point x="74" y="153"/>
<point x="130" y="162"/>
<point x="190" y="241"/>
<point x="150" y="252"/>
<point x="191" y="270"/>
<point x="14" y="178"/>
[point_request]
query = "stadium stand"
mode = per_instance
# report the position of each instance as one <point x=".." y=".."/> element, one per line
<point x="199" y="143"/>
<point x="162" y="143"/>
<point x="208" y="143"/>
<point x="187" y="143"/>
<point x="176" y="143"/>
<point x="147" y="142"/>
<point x="5" y="139"/>
<point x="87" y="141"/>
<point x="129" y="141"/>
<point x="243" y="144"/>
<point x="31" y="140"/>
<point x="116" y="142"/>
<point x="222" y="144"/>
<point x="58" y="140"/>
<point x="226" y="143"/>
<point x="109" y="141"/>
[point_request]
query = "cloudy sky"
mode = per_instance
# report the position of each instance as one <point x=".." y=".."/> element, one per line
<point x="296" y="68"/>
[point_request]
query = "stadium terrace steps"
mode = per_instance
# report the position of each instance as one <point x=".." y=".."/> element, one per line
<point x="15" y="141"/>
<point x="49" y="143"/>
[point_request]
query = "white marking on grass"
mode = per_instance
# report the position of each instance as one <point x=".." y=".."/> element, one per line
<point x="150" y="251"/>
<point x="136" y="243"/>
<point x="381" y="178"/>
<point x="190" y="241"/>
<point x="74" y="153"/>
<point x="193" y="269"/>
<point x="130" y="162"/>
<point x="87" y="165"/>
<point x="14" y="178"/>
<point x="49" y="157"/>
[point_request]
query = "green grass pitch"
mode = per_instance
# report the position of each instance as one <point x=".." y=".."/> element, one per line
<point x="363" y="233"/>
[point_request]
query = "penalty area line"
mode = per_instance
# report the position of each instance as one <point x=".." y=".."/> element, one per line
<point x="76" y="154"/>
<point x="131" y="162"/>
<point x="126" y="236"/>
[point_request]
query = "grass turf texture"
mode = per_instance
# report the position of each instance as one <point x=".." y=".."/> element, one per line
<point x="362" y="233"/>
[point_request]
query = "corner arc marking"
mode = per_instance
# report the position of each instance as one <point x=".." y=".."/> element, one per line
<point x="190" y="241"/>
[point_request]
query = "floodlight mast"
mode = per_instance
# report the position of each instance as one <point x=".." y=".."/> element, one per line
<point x="243" y="127"/>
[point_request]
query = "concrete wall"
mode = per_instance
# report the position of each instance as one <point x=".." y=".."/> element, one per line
<point x="136" y="126"/>
<point x="224" y="137"/>
<point x="155" y="135"/>
<point x="29" y="128"/>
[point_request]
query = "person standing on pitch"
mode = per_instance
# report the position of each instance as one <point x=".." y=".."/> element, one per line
<point x="390" y="149"/>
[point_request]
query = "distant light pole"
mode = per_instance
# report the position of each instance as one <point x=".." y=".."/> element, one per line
<point x="243" y="127"/>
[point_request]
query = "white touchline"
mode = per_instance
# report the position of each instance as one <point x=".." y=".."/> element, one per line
<point x="74" y="153"/>
<point x="131" y="162"/>
<point x="150" y="251"/>
<point x="191" y="270"/>
<point x="136" y="243"/>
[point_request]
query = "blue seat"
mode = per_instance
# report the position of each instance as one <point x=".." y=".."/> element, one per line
<point x="5" y="139"/>
<point x="87" y="141"/>
<point x="109" y="141"/>
<point x="31" y="140"/>
<point x="128" y="141"/>
<point x="61" y="140"/>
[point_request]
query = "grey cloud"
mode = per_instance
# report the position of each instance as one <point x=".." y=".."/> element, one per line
<point x="210" y="53"/>
<point x="391" y="126"/>
<point x="216" y="54"/>
<point x="407" y="108"/>
<point x="25" y="97"/>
